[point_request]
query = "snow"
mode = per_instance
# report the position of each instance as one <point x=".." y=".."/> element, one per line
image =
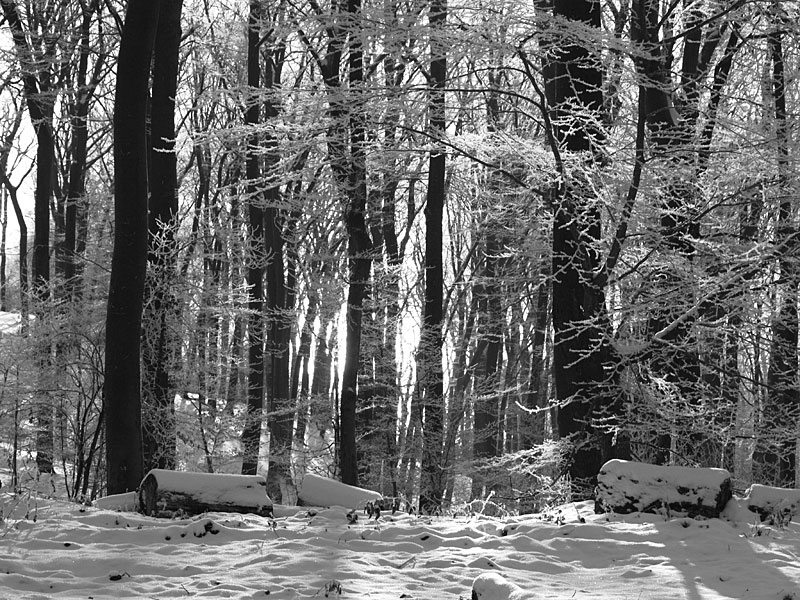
<point x="644" y="486"/>
<point x="50" y="548"/>
<point x="315" y="490"/>
<point x="126" y="501"/>
<point x="9" y="322"/>
<point x="773" y="500"/>
<point x="493" y="586"/>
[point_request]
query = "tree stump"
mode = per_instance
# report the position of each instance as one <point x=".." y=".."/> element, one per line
<point x="626" y="487"/>
<point x="164" y="493"/>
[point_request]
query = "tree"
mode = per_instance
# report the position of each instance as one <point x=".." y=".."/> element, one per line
<point x="37" y="72"/>
<point x="431" y="381"/>
<point x="159" y="351"/>
<point x="581" y="351"/>
<point x="251" y="436"/>
<point x="782" y="409"/>
<point x="122" y="396"/>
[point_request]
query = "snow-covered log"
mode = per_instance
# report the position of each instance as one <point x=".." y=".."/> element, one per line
<point x="321" y="491"/>
<point x="774" y="504"/>
<point x="163" y="493"/>
<point x="626" y="486"/>
<point x="121" y="502"/>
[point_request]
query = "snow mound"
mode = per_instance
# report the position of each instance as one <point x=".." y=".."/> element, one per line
<point x="493" y="586"/>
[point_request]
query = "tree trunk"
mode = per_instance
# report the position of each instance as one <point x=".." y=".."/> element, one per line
<point x="781" y="412"/>
<point x="159" y="345"/>
<point x="122" y="399"/>
<point x="433" y="473"/>
<point x="348" y="161"/>
<point x="251" y="435"/>
<point x="40" y="99"/>
<point x="581" y="350"/>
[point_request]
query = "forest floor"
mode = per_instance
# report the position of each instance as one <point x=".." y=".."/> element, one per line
<point x="50" y="548"/>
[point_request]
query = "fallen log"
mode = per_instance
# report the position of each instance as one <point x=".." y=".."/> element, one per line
<point x="773" y="504"/>
<point x="164" y="493"/>
<point x="321" y="491"/>
<point x="626" y="486"/>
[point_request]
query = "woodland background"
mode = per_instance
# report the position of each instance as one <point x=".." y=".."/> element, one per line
<point x="444" y="249"/>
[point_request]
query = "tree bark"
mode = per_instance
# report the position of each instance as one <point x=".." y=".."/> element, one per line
<point x="122" y="397"/>
<point x="581" y="352"/>
<point x="432" y="471"/>
<point x="159" y="349"/>
<point x="39" y="97"/>
<point x="251" y="435"/>
<point x="781" y="412"/>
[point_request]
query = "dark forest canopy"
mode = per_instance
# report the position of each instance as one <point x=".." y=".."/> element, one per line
<point x="443" y="250"/>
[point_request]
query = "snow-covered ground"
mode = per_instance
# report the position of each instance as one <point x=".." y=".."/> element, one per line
<point x="54" y="549"/>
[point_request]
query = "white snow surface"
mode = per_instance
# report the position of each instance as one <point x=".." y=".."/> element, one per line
<point x="55" y="549"/>
<point x="315" y="490"/>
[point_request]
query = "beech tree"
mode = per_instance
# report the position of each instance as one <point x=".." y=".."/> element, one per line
<point x="159" y="344"/>
<point x="122" y="396"/>
<point x="431" y="380"/>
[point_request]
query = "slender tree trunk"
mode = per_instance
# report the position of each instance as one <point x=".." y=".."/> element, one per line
<point x="9" y="190"/>
<point x="122" y="398"/>
<point x="346" y="146"/>
<point x="251" y="435"/>
<point x="39" y="97"/>
<point x="782" y="410"/>
<point x="23" y="253"/>
<point x="433" y="474"/>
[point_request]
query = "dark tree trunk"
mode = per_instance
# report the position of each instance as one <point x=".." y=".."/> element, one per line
<point x="75" y="210"/>
<point x="359" y="246"/>
<point x="10" y="191"/>
<point x="433" y="474"/>
<point x="782" y="410"/>
<point x="158" y="342"/>
<point x="346" y="148"/>
<point x="251" y="435"/>
<point x="39" y="97"/>
<point x="23" y="251"/>
<point x="581" y="352"/>
<point x="280" y="301"/>
<point x="122" y="399"/>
